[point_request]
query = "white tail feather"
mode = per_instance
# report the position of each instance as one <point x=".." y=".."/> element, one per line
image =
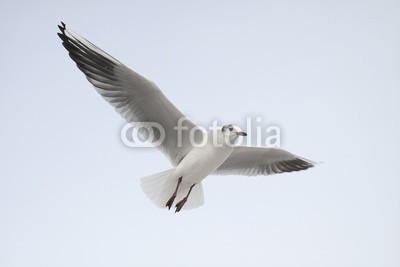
<point x="159" y="188"/>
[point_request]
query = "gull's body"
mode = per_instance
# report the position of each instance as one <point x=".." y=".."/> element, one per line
<point x="201" y="161"/>
<point x="138" y="99"/>
<point x="194" y="167"/>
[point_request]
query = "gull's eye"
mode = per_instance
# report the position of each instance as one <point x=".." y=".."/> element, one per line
<point x="231" y="128"/>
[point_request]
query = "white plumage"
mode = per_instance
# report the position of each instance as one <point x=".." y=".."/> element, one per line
<point x="138" y="99"/>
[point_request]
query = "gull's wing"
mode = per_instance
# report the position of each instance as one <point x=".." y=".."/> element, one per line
<point x="253" y="161"/>
<point x="134" y="97"/>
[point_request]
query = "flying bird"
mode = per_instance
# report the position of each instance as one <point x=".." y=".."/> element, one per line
<point x="137" y="99"/>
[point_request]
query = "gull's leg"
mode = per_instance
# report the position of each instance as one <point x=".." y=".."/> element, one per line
<point x="171" y="200"/>
<point x="180" y="204"/>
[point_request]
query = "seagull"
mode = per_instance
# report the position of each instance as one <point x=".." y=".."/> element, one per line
<point x="137" y="99"/>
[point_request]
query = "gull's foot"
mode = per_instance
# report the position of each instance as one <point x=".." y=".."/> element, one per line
<point x="180" y="204"/>
<point x="170" y="201"/>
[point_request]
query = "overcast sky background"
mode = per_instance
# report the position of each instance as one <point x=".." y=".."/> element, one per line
<point x="326" y="72"/>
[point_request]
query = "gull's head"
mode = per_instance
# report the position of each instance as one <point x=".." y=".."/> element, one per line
<point x="232" y="133"/>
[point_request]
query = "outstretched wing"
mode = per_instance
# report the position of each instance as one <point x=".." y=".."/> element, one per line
<point x="252" y="161"/>
<point x="134" y="97"/>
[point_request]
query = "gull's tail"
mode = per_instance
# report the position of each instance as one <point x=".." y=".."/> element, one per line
<point x="159" y="188"/>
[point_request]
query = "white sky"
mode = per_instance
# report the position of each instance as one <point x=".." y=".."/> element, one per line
<point x="326" y="72"/>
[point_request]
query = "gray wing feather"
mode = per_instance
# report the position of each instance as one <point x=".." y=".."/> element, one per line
<point x="252" y="161"/>
<point x="134" y="97"/>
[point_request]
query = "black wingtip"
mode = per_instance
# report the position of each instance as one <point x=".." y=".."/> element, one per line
<point x="62" y="27"/>
<point x="63" y="37"/>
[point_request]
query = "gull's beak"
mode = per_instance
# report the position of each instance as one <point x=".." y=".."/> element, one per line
<point x="241" y="133"/>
